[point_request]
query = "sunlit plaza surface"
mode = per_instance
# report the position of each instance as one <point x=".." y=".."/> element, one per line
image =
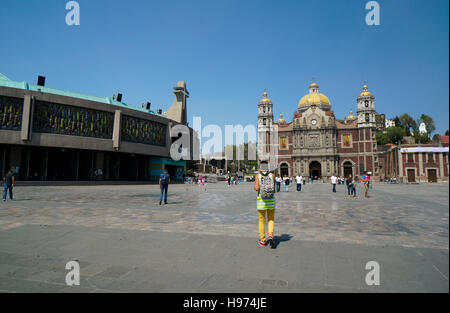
<point x="205" y="239"/>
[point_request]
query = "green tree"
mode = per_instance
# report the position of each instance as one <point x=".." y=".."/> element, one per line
<point x="397" y="121"/>
<point x="382" y="138"/>
<point x="245" y="164"/>
<point x="396" y="134"/>
<point x="446" y="133"/>
<point x="421" y="138"/>
<point x="392" y="135"/>
<point x="429" y="123"/>
<point x="408" y="124"/>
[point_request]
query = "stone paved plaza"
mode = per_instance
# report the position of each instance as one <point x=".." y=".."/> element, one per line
<point x="205" y="240"/>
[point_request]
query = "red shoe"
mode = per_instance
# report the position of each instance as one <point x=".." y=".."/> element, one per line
<point x="270" y="241"/>
<point x="262" y="243"/>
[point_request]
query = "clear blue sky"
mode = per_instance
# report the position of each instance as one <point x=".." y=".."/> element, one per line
<point x="228" y="51"/>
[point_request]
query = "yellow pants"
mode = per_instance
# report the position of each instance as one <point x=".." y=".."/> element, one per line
<point x="262" y="223"/>
<point x="366" y="186"/>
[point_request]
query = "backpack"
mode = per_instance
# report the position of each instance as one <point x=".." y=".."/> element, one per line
<point x="266" y="188"/>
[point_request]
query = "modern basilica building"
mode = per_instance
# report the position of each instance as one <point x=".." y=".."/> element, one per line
<point x="316" y="143"/>
<point x="48" y="134"/>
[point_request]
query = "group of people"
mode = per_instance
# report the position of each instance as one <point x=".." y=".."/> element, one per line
<point x="286" y="181"/>
<point x="352" y="183"/>
<point x="232" y="180"/>
<point x="197" y="180"/>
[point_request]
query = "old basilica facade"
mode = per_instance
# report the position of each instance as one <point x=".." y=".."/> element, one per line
<point x="315" y="143"/>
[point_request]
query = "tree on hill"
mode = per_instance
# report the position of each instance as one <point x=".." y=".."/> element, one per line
<point x="408" y="124"/>
<point x="429" y="123"/>
<point x="421" y="138"/>
<point x="393" y="135"/>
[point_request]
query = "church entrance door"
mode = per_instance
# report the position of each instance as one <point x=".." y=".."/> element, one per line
<point x="348" y="168"/>
<point x="284" y="170"/>
<point x="315" y="169"/>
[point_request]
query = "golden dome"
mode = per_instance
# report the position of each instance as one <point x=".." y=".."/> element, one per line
<point x="265" y="99"/>
<point x="314" y="99"/>
<point x="351" y="116"/>
<point x="365" y="92"/>
<point x="281" y="120"/>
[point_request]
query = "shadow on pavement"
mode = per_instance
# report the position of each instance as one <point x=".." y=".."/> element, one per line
<point x="144" y="195"/>
<point x="282" y="238"/>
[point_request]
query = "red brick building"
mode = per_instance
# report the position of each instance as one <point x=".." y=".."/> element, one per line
<point x="315" y="143"/>
<point x="415" y="163"/>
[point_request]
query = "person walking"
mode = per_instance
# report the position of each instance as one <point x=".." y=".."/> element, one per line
<point x="348" y="182"/>
<point x="265" y="204"/>
<point x="164" y="181"/>
<point x="333" y="180"/>
<point x="366" y="181"/>
<point x="9" y="185"/>
<point x="278" y="181"/>
<point x="299" y="181"/>
<point x="352" y="187"/>
<point x="286" y="181"/>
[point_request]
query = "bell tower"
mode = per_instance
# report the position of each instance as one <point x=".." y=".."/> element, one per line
<point x="265" y="124"/>
<point x="366" y="109"/>
<point x="367" y="147"/>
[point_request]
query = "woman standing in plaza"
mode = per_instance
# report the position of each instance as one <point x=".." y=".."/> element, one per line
<point x="265" y="203"/>
<point x="351" y="186"/>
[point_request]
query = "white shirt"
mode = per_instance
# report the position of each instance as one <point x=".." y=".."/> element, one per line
<point x="299" y="179"/>
<point x="333" y="179"/>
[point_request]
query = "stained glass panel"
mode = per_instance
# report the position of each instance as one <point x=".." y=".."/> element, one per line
<point x="11" y="113"/>
<point x="143" y="131"/>
<point x="67" y="120"/>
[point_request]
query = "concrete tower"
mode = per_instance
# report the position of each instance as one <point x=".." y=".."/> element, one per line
<point x="178" y="110"/>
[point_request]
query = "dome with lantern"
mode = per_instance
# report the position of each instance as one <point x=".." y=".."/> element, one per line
<point x="281" y="120"/>
<point x="350" y="116"/>
<point x="265" y="99"/>
<point x="314" y="98"/>
<point x="366" y="93"/>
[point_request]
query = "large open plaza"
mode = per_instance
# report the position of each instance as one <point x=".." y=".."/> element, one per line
<point x="224" y="155"/>
<point x="205" y="240"/>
